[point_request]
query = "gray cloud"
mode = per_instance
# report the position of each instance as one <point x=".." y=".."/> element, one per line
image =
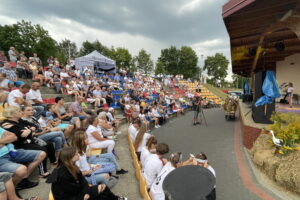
<point x="175" y="22"/>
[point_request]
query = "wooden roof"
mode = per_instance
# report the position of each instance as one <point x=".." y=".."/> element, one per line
<point x="261" y="24"/>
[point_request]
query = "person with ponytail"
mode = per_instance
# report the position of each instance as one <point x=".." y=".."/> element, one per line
<point x="104" y="163"/>
<point x="69" y="183"/>
<point x="156" y="190"/>
<point x="148" y="150"/>
<point x="141" y="140"/>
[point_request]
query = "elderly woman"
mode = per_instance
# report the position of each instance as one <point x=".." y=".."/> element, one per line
<point x="25" y="132"/>
<point x="95" y="137"/>
<point x="54" y="135"/>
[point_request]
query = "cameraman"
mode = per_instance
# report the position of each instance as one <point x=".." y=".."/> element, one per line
<point x="197" y="109"/>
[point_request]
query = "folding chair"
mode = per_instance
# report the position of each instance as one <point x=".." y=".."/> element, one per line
<point x="96" y="152"/>
<point x="144" y="188"/>
<point x="51" y="196"/>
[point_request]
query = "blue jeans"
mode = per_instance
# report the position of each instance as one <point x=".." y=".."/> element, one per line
<point x="39" y="109"/>
<point x="57" y="137"/>
<point x="101" y="180"/>
<point x="102" y="158"/>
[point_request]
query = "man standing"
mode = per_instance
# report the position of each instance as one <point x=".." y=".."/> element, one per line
<point x="35" y="99"/>
<point x="16" y="97"/>
<point x="12" y="54"/>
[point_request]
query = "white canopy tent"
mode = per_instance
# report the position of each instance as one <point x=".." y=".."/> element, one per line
<point x="96" y="62"/>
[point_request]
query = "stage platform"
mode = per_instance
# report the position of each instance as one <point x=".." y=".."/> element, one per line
<point x="284" y="108"/>
<point x="250" y="129"/>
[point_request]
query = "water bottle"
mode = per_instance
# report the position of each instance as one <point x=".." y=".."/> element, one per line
<point x="13" y="153"/>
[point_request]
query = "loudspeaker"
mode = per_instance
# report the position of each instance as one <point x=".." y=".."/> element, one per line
<point x="252" y="51"/>
<point x="259" y="78"/>
<point x="279" y="46"/>
<point x="246" y="98"/>
<point x="262" y="114"/>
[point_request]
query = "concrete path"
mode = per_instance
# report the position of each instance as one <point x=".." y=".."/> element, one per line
<point x="218" y="142"/>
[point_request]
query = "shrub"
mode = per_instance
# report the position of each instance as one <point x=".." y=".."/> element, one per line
<point x="287" y="128"/>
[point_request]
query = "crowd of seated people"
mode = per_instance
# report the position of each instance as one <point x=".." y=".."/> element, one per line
<point x="34" y="132"/>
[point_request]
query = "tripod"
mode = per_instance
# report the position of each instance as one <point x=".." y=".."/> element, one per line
<point x="199" y="110"/>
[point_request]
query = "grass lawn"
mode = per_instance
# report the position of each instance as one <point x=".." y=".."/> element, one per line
<point x="217" y="91"/>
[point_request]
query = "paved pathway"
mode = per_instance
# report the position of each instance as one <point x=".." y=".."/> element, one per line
<point x="217" y="141"/>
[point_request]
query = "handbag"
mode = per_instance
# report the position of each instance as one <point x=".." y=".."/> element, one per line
<point x="39" y="142"/>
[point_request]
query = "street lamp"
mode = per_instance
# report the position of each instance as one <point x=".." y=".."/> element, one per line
<point x="200" y="67"/>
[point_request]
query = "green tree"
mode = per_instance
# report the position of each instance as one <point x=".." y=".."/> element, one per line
<point x="88" y="47"/>
<point x="216" y="67"/>
<point x="238" y="81"/>
<point x="122" y="57"/>
<point x="28" y="38"/>
<point x="187" y="65"/>
<point x="67" y="45"/>
<point x="160" y="68"/>
<point x="169" y="58"/>
<point x="144" y="62"/>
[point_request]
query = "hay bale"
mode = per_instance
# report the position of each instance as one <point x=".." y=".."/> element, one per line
<point x="282" y="169"/>
<point x="288" y="172"/>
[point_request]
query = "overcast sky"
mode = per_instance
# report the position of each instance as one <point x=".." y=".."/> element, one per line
<point x="133" y="24"/>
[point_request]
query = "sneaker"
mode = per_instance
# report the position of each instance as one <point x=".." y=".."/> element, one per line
<point x="156" y="127"/>
<point x="122" y="198"/>
<point x="25" y="184"/>
<point x="121" y="171"/>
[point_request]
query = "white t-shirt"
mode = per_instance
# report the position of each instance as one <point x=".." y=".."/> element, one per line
<point x="144" y="141"/>
<point x="11" y="99"/>
<point x="290" y="90"/>
<point x="48" y="74"/>
<point x="132" y="131"/>
<point x="110" y="117"/>
<point x="83" y="164"/>
<point x="145" y="153"/>
<point x="34" y="94"/>
<point x="4" y="83"/>
<point x="152" y="168"/>
<point x="89" y="132"/>
<point x="64" y="75"/>
<point x="43" y="122"/>
<point x="156" y="191"/>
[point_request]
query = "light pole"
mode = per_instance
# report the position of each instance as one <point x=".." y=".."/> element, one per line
<point x="200" y="67"/>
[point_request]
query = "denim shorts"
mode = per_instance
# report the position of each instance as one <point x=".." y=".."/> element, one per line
<point x="9" y="164"/>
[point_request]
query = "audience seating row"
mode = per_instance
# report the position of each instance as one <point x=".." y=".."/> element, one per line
<point x="138" y="171"/>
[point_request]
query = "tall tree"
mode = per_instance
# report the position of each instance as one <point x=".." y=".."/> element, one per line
<point x="216" y="67"/>
<point x="144" y="62"/>
<point x="88" y="47"/>
<point x="67" y="46"/>
<point x="28" y="38"/>
<point x="187" y="65"/>
<point x="160" y="68"/>
<point x="122" y="57"/>
<point x="170" y="59"/>
<point x="238" y="81"/>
